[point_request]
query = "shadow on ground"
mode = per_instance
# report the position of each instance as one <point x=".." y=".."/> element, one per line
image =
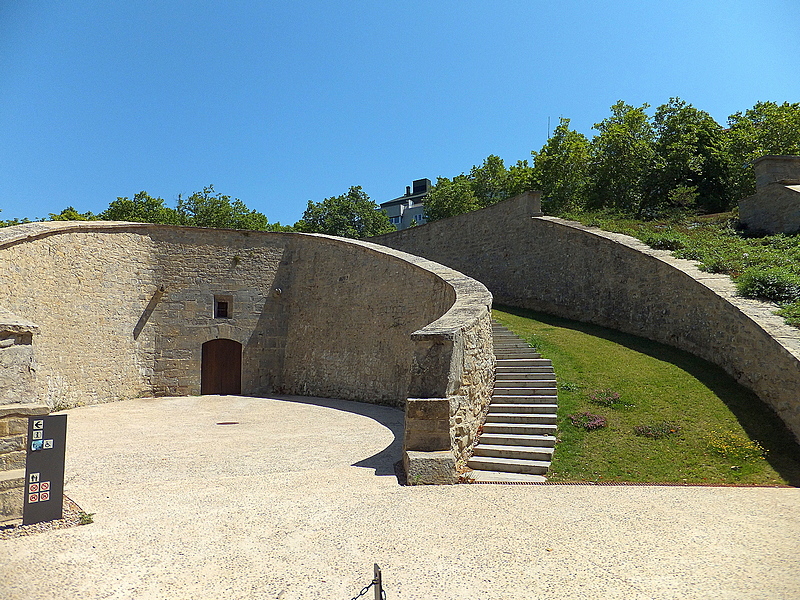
<point x="384" y="462"/>
<point x="783" y="451"/>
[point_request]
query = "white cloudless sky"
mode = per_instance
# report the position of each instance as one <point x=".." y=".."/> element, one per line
<point x="279" y="103"/>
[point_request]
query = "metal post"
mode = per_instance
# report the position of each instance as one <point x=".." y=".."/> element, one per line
<point x="378" y="583"/>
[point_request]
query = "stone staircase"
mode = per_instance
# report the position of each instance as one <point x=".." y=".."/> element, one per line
<point x="519" y="434"/>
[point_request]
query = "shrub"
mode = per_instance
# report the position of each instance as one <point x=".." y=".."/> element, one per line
<point x="791" y="312"/>
<point x="588" y="421"/>
<point x="718" y="264"/>
<point x="689" y="254"/>
<point x="664" y="242"/>
<point x="778" y="284"/>
<point x="608" y="398"/>
<point x="657" y="431"/>
<point x="734" y="446"/>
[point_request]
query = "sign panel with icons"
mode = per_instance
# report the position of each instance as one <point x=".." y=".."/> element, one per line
<point x="44" y="469"/>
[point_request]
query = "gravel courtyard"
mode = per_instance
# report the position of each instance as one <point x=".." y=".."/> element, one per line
<point x="297" y="498"/>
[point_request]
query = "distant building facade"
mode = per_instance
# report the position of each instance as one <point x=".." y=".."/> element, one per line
<point x="408" y="208"/>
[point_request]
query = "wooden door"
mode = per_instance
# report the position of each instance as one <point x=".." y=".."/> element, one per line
<point x="221" y="370"/>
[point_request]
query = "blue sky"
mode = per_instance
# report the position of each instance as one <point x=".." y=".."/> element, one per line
<point x="278" y="103"/>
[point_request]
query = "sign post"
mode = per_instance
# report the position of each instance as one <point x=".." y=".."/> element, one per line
<point x="44" y="469"/>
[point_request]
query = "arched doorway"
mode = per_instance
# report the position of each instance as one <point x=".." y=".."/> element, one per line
<point x="221" y="369"/>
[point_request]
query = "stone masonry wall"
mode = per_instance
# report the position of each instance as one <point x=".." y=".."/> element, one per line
<point x="116" y="310"/>
<point x="582" y="273"/>
<point x="85" y="291"/>
<point x="775" y="207"/>
<point x="452" y="378"/>
<point x="351" y="312"/>
<point x="123" y="310"/>
<point x="13" y="452"/>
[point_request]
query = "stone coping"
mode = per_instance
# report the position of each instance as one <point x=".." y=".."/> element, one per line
<point x="11" y="323"/>
<point x="472" y="299"/>
<point x="23" y="410"/>
<point x="761" y="313"/>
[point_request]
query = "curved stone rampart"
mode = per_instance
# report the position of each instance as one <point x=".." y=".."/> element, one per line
<point x="123" y="309"/>
<point x="583" y="273"/>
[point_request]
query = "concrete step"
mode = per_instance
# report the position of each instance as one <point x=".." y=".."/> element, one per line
<point x="518" y="417"/>
<point x="520" y="428"/>
<point x="551" y="399"/>
<point x="525" y="383"/>
<point x="514" y="465"/>
<point x="510" y="439"/>
<point x="524" y="391"/>
<point x="516" y="376"/>
<point x="520" y="407"/>
<point x="498" y="477"/>
<point x="526" y="452"/>
<point x="524" y="362"/>
<point x="524" y="369"/>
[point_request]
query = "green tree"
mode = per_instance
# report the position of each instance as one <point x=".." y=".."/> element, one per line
<point x="351" y="215"/>
<point x="450" y="197"/>
<point x="691" y="165"/>
<point x="520" y="179"/>
<point x="489" y="182"/>
<point x="70" y="214"/>
<point x="561" y="169"/>
<point x="767" y="128"/>
<point x="11" y="222"/>
<point x="622" y="158"/>
<point x="143" y="208"/>
<point x="213" y="209"/>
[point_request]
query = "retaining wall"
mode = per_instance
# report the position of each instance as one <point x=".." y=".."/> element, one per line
<point x="98" y="311"/>
<point x="582" y="273"/>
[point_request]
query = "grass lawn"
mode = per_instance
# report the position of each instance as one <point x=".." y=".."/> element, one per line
<point x="709" y="424"/>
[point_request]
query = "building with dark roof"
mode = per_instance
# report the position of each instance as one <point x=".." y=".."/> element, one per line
<point x="408" y="208"/>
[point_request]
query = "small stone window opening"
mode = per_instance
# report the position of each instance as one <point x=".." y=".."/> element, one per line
<point x="223" y="307"/>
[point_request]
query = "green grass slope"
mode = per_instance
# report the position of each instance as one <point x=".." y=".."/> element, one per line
<point x="695" y="423"/>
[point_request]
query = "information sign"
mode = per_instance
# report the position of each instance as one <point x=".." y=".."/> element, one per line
<point x="44" y="469"/>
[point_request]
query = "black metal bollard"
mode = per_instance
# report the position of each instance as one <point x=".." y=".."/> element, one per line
<point x="378" y="583"/>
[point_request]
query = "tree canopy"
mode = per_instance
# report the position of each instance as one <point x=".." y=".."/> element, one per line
<point x="351" y="215"/>
<point x="637" y="164"/>
<point x="486" y="184"/>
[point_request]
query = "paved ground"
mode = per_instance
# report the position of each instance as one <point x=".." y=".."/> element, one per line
<point x="299" y="499"/>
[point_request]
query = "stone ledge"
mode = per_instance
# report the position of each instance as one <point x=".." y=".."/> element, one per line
<point x="430" y="468"/>
<point x="23" y="410"/>
<point x="12" y="479"/>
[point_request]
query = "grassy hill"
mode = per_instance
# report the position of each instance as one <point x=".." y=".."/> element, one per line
<point x="670" y="417"/>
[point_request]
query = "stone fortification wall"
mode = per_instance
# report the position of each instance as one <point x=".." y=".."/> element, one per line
<point x="122" y="310"/>
<point x="775" y="207"/>
<point x="582" y="273"/>
<point x="85" y="290"/>
<point x="351" y="310"/>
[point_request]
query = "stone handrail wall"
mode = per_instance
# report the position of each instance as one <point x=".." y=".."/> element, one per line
<point x="583" y="273"/>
